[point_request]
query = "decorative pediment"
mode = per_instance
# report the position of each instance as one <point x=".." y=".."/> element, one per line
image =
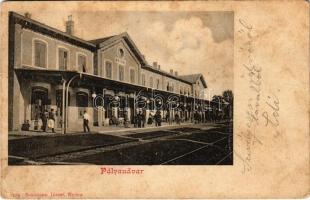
<point x="107" y="42"/>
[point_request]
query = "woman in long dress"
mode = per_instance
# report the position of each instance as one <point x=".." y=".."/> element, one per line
<point x="51" y="120"/>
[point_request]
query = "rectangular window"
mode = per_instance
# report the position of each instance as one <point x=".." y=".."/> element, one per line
<point x="121" y="73"/>
<point x="40" y="54"/>
<point x="82" y="63"/>
<point x="143" y="79"/>
<point x="108" y="69"/>
<point x="63" y="59"/>
<point x="132" y="76"/>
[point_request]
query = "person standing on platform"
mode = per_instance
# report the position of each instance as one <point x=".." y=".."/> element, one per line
<point x="143" y="119"/>
<point x="44" y="118"/>
<point x="139" y="119"/>
<point x="51" y="120"/>
<point x="177" y="118"/>
<point x="157" y="118"/>
<point x="86" y="121"/>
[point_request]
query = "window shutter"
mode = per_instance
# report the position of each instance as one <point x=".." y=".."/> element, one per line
<point x="40" y="54"/>
<point x="37" y="55"/>
<point x="82" y="63"/>
<point x="121" y="72"/>
<point x="63" y="59"/>
<point x="132" y="76"/>
<point x="60" y="59"/>
<point x="108" y="69"/>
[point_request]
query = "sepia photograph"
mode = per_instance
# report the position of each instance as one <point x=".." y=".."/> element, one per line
<point x="154" y="99"/>
<point x="143" y="90"/>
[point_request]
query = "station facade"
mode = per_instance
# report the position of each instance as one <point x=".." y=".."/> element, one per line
<point x="108" y="77"/>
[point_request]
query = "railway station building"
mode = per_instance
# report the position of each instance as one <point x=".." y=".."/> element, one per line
<point x="109" y="76"/>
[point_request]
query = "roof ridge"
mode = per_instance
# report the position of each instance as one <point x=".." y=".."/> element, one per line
<point x="46" y="26"/>
<point x="191" y="74"/>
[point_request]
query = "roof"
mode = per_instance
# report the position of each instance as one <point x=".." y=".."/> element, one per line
<point x="150" y="68"/>
<point x="100" y="40"/>
<point x="192" y="78"/>
<point x="97" y="43"/>
<point x="50" y="31"/>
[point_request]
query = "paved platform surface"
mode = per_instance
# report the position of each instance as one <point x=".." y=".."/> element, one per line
<point x="194" y="144"/>
<point x="119" y="130"/>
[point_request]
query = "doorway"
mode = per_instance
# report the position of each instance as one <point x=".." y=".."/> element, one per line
<point x="39" y="103"/>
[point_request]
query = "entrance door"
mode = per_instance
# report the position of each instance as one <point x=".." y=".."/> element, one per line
<point x="39" y="102"/>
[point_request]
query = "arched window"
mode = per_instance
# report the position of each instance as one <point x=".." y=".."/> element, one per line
<point x="81" y="103"/>
<point x="40" y="54"/>
<point x="121" y="72"/>
<point x="108" y="69"/>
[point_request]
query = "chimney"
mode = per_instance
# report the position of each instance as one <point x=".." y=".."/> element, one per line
<point x="158" y="67"/>
<point x="70" y="25"/>
<point x="27" y="14"/>
<point x="176" y="73"/>
<point x="171" y="71"/>
<point x="155" y="65"/>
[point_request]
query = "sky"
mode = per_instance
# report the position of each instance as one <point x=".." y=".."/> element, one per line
<point x="187" y="42"/>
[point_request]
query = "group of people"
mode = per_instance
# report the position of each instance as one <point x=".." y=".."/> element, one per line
<point x="48" y="120"/>
<point x="177" y="118"/>
<point x="197" y="118"/>
<point x="140" y="119"/>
